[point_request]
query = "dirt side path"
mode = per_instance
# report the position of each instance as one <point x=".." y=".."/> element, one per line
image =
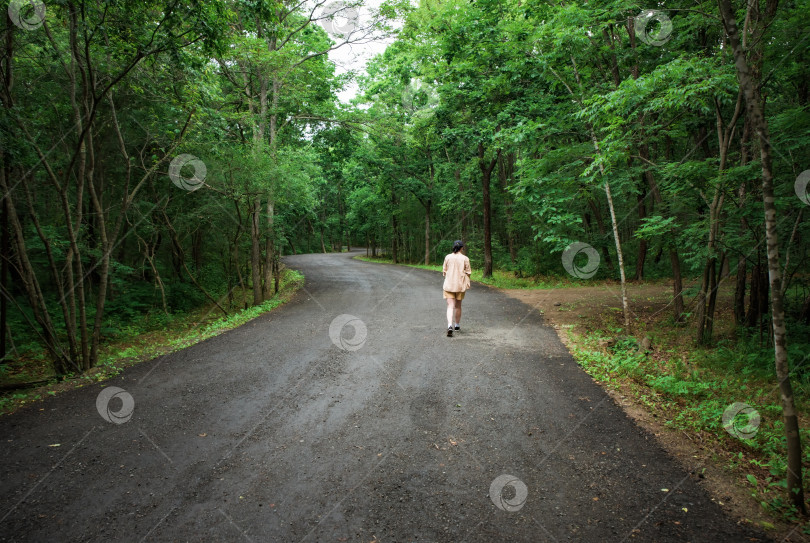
<point x="581" y="309"/>
<point x="272" y="432"/>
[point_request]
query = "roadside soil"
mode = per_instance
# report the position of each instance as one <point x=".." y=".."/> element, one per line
<point x="579" y="311"/>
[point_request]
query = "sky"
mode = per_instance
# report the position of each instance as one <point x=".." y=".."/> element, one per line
<point x="352" y="57"/>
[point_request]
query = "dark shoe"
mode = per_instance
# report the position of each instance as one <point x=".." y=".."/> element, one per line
<point x="458" y="328"/>
<point x="449" y="331"/>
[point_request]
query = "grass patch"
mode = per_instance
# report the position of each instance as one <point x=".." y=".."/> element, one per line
<point x="133" y="348"/>
<point x="499" y="279"/>
<point x="691" y="389"/>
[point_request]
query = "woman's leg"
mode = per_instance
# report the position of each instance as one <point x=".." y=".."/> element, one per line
<point x="451" y="305"/>
<point x="458" y="311"/>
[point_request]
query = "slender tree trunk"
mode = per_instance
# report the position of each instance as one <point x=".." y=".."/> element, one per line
<point x="323" y="245"/>
<point x="600" y="224"/>
<point x="6" y="63"/>
<point x="595" y="141"/>
<point x="759" y="293"/>
<point x="703" y="314"/>
<point x="506" y="167"/>
<point x="179" y="248"/>
<point x="427" y="233"/>
<point x="742" y="261"/>
<point x="672" y="249"/>
<point x="256" y="254"/>
<point x="642" y="246"/>
<point x="805" y="312"/>
<point x="759" y="123"/>
<point x="269" y="250"/>
<point x="712" y="302"/>
<point x="236" y="258"/>
<point x="30" y="284"/>
<point x="625" y="305"/>
<point x="486" y="175"/>
<point x="394" y="226"/>
<point x="5" y="255"/>
<point x="786" y="276"/>
<point x="739" y="291"/>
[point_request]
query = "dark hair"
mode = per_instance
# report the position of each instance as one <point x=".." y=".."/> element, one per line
<point x="457" y="245"/>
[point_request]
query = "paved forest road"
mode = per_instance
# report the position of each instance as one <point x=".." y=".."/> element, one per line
<point x="271" y="432"/>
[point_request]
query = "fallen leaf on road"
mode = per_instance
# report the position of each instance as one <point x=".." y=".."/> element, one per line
<point x="202" y="435"/>
<point x="55" y="445"/>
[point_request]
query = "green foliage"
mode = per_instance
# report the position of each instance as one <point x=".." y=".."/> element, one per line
<point x="691" y="394"/>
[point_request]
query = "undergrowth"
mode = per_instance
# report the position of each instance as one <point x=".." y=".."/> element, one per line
<point x="136" y="346"/>
<point x="704" y="392"/>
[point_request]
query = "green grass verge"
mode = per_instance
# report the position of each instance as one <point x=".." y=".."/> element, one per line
<point x="499" y="279"/>
<point x="692" y="391"/>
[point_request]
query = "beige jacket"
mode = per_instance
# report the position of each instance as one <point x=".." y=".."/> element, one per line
<point x="456" y="271"/>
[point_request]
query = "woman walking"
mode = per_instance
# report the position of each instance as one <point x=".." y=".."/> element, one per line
<point x="456" y="271"/>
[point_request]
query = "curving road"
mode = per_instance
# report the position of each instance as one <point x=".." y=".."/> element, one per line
<point x="391" y="432"/>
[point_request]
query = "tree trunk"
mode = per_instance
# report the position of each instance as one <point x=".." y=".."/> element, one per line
<point x="179" y="248"/>
<point x="506" y="167"/>
<point x="427" y="233"/>
<point x="739" y="291"/>
<point x="642" y="246"/>
<point x="759" y="123"/>
<point x="256" y="254"/>
<point x="600" y="224"/>
<point x="713" y="287"/>
<point x="323" y="245"/>
<point x="5" y="254"/>
<point x="236" y="259"/>
<point x="486" y="175"/>
<point x="674" y="258"/>
<point x="625" y="305"/>
<point x="30" y="284"/>
<point x="394" y="226"/>
<point x="677" y="283"/>
<point x="742" y="261"/>
<point x="757" y="300"/>
<point x="704" y="316"/>
<point x="269" y="250"/>
<point x="805" y="312"/>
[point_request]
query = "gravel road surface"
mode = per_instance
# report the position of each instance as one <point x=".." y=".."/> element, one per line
<point x="348" y="415"/>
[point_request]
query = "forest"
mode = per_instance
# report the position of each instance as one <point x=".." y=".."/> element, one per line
<point x="159" y="157"/>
